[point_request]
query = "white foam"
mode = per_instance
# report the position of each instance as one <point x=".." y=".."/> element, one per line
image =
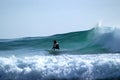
<point x="87" y="67"/>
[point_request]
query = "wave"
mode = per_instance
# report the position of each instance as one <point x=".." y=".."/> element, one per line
<point x="67" y="67"/>
<point x="28" y="58"/>
<point x="95" y="40"/>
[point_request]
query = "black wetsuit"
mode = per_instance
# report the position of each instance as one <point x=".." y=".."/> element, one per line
<point x="56" y="46"/>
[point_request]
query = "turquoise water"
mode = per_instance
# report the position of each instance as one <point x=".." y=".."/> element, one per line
<point x="84" y="55"/>
<point x="96" y="40"/>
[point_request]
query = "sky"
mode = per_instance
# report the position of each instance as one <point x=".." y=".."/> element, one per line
<point x="32" y="18"/>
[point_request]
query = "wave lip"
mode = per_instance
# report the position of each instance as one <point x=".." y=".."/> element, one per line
<point x="79" y="67"/>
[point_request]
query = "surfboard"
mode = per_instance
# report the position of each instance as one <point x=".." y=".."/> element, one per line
<point x="55" y="52"/>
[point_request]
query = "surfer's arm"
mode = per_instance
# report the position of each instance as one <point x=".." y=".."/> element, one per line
<point x="57" y="46"/>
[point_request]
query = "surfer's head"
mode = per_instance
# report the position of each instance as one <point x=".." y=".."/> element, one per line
<point x="55" y="41"/>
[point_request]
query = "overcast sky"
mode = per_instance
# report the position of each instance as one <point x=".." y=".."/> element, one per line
<point x="29" y="18"/>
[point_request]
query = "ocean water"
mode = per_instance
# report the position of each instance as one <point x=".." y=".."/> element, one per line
<point x="84" y="55"/>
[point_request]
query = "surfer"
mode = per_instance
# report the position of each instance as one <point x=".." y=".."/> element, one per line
<point x="55" y="45"/>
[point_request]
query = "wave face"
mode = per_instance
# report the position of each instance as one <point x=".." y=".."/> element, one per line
<point x="84" y="55"/>
<point x="96" y="40"/>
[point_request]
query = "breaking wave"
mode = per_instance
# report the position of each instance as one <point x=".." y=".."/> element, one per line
<point x="84" y="55"/>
